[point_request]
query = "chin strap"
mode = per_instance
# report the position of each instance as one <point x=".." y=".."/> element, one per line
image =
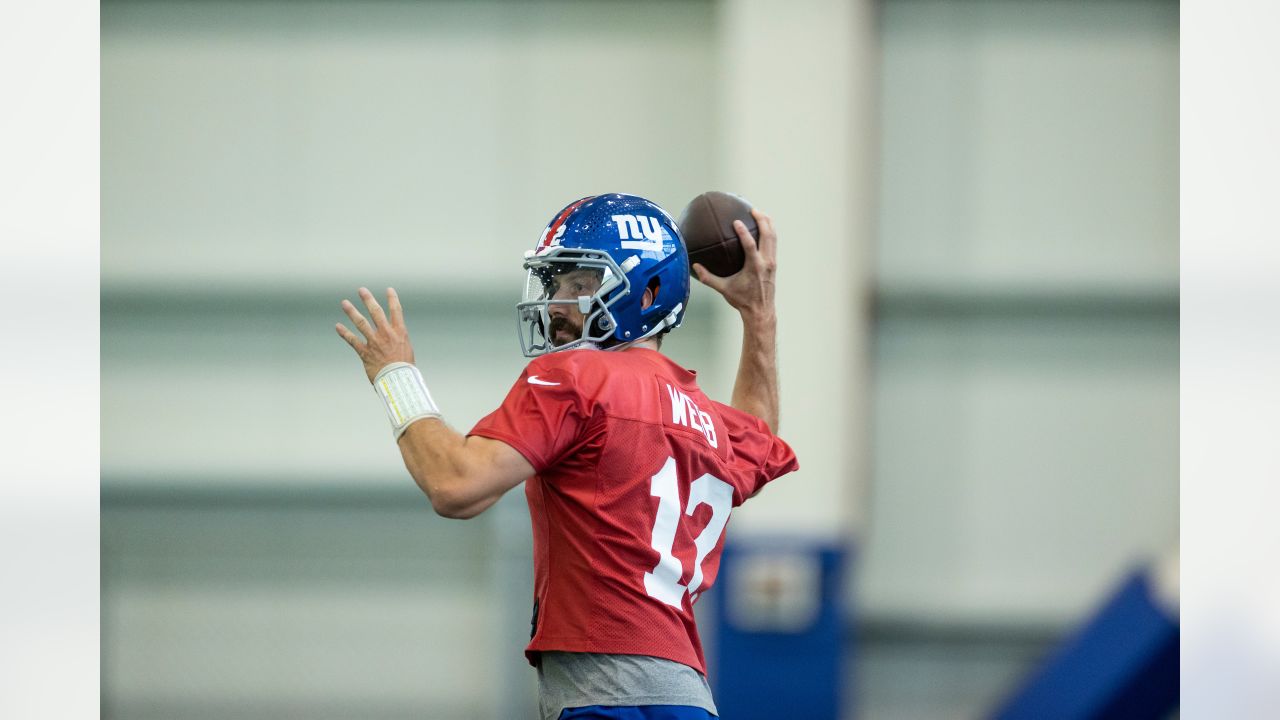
<point x="670" y="321"/>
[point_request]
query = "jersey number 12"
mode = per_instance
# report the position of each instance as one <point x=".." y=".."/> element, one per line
<point x="663" y="582"/>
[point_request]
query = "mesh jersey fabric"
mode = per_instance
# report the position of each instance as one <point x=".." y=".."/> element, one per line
<point x="600" y="428"/>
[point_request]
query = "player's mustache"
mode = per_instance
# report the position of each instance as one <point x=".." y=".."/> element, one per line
<point x="560" y="322"/>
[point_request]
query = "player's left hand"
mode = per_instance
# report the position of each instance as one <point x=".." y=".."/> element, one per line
<point x="385" y="340"/>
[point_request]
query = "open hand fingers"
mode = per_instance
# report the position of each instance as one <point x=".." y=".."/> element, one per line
<point x="350" y="337"/>
<point x="768" y="236"/>
<point x="357" y="319"/>
<point x="393" y="306"/>
<point x="375" y="310"/>
<point x="385" y="341"/>
<point x="749" y="247"/>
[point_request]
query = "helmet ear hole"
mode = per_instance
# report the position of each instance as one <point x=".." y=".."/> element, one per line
<point x="651" y="292"/>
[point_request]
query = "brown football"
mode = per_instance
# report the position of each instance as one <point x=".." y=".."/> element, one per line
<point x="707" y="228"/>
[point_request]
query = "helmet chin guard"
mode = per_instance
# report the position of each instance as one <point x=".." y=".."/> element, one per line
<point x="591" y="268"/>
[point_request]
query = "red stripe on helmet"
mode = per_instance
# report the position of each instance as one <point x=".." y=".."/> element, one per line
<point x="550" y="232"/>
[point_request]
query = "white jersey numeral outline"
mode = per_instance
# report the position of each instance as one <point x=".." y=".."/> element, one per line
<point x="663" y="583"/>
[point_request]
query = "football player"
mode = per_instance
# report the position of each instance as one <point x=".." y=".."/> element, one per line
<point x="630" y="471"/>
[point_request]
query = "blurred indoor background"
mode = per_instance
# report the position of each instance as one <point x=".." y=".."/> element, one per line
<point x="977" y="209"/>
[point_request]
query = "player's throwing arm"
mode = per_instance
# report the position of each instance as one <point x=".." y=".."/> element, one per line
<point x="750" y="291"/>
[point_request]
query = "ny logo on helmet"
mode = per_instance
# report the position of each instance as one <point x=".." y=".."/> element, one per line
<point x="632" y="227"/>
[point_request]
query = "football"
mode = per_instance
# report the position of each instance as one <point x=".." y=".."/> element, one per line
<point x="707" y="228"/>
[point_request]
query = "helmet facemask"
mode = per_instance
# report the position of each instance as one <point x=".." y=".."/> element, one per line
<point x="565" y="287"/>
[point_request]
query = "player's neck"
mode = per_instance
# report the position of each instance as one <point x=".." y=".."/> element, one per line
<point x="647" y="344"/>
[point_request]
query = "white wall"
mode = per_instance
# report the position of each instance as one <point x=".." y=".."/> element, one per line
<point x="796" y="130"/>
<point x="1029" y="144"/>
<point x="1026" y="360"/>
<point x="248" y="143"/>
<point x="323" y="604"/>
<point x="262" y="160"/>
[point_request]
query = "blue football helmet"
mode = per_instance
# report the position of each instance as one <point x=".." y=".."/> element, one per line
<point x="592" y="264"/>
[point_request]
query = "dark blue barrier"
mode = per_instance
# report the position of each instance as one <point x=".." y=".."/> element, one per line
<point x="1122" y="664"/>
<point x="778" y="641"/>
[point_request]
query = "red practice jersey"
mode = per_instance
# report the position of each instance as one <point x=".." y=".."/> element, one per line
<point x="637" y="471"/>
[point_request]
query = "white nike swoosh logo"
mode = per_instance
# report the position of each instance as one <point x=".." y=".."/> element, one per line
<point x="533" y="380"/>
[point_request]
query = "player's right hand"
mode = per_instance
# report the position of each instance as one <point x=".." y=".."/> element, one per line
<point x="385" y="340"/>
<point x="750" y="290"/>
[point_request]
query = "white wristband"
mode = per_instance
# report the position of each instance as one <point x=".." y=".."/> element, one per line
<point x="405" y="394"/>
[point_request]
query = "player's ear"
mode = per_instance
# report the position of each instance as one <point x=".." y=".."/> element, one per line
<point x="650" y="293"/>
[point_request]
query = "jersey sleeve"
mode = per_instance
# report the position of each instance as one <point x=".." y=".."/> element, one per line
<point x="763" y="456"/>
<point x="542" y="416"/>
